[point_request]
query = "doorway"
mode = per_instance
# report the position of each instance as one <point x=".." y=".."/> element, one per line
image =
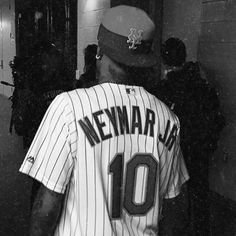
<point x="7" y="44"/>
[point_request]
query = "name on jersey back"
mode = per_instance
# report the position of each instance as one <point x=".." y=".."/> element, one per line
<point x="122" y="123"/>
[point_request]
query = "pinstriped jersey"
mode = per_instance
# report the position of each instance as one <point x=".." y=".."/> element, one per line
<point x="114" y="151"/>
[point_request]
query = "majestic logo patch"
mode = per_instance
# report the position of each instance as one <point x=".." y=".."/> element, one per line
<point x="134" y="38"/>
<point x="30" y="159"/>
<point x="130" y="91"/>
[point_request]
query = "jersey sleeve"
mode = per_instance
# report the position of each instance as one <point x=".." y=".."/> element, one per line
<point x="49" y="158"/>
<point x="173" y="171"/>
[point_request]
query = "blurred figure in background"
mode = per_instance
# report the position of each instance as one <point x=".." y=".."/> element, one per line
<point x="88" y="78"/>
<point x="197" y="106"/>
<point x="49" y="77"/>
<point x="38" y="79"/>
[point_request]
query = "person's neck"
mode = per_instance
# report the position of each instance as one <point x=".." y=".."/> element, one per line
<point x="110" y="72"/>
<point x="108" y="77"/>
<point x="105" y="78"/>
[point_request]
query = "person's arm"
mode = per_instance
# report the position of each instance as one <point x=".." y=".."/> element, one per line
<point x="175" y="215"/>
<point x="45" y="213"/>
<point x="49" y="160"/>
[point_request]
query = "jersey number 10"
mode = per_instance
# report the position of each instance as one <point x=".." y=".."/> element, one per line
<point x="125" y="199"/>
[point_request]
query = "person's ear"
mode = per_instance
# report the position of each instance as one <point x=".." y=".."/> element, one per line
<point x="99" y="54"/>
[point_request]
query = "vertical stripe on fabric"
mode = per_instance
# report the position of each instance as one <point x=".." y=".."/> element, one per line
<point x="131" y="150"/>
<point x="83" y="112"/>
<point x="78" y="184"/>
<point x="122" y="103"/>
<point x="117" y="145"/>
<point x="109" y="152"/>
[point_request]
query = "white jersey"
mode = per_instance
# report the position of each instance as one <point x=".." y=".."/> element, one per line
<point x="114" y="151"/>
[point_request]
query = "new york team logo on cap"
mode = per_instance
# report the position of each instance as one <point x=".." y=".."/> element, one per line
<point x="134" y="38"/>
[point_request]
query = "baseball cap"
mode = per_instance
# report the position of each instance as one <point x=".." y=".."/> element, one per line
<point x="126" y="35"/>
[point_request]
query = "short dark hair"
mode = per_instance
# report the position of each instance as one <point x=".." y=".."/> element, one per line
<point x="173" y="52"/>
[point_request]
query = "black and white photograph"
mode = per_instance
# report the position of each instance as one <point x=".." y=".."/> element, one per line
<point x="117" y="117"/>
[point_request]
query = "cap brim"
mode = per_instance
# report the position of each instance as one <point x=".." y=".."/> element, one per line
<point x="117" y="48"/>
<point x="134" y="60"/>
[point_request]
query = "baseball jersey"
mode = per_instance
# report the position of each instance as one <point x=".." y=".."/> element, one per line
<point x="114" y="151"/>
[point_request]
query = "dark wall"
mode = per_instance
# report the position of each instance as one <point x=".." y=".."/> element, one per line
<point x="223" y="216"/>
<point x="181" y="19"/>
<point x="217" y="54"/>
<point x="15" y="187"/>
<point x="208" y="29"/>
